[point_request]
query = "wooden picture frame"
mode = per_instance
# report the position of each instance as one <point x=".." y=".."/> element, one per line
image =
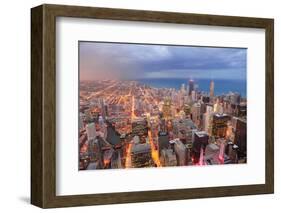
<point x="43" y="105"/>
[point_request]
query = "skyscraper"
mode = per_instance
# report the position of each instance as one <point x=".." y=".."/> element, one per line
<point x="222" y="150"/>
<point x="191" y="86"/>
<point x="201" y="139"/>
<point x="168" y="158"/>
<point x="163" y="141"/>
<point x="207" y="119"/>
<point x="212" y="89"/>
<point x="139" y="126"/>
<point x="196" y="113"/>
<point x="234" y="98"/>
<point x="81" y="123"/>
<point x="187" y="110"/>
<point x="141" y="155"/>
<point x="91" y="131"/>
<point x="181" y="152"/>
<point x="182" y="88"/>
<point x="219" y="126"/>
<point x="240" y="138"/>
<point x="193" y="95"/>
<point x="167" y="113"/>
<point x="103" y="109"/>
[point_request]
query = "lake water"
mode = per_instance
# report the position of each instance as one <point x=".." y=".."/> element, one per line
<point x="222" y="86"/>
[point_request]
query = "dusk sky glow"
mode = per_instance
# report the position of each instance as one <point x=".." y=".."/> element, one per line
<point x="100" y="61"/>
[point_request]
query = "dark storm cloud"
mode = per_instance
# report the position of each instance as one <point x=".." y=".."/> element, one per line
<point x="131" y="61"/>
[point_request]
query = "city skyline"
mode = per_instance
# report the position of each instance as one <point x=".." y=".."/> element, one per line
<point x="136" y="114"/>
<point x="105" y="61"/>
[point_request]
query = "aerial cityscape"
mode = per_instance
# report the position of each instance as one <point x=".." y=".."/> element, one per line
<point x="161" y="106"/>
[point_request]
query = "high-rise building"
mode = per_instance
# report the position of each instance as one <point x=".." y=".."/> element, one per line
<point x="193" y="95"/>
<point x="181" y="152"/>
<point x="207" y="119"/>
<point x="242" y="109"/>
<point x="107" y="156"/>
<point x="182" y="128"/>
<point x="240" y="138"/>
<point x="168" y="158"/>
<point x="234" y="98"/>
<point x="81" y="123"/>
<point x="162" y="125"/>
<point x="167" y="112"/>
<point x="141" y="155"/>
<point x="203" y="107"/>
<point x="187" y="110"/>
<point x="102" y="106"/>
<point x="206" y="122"/>
<point x="91" y="131"/>
<point x="201" y="140"/>
<point x="231" y="151"/>
<point x="106" y="110"/>
<point x="112" y="136"/>
<point x="163" y="141"/>
<point x="91" y="148"/>
<point x="139" y="127"/>
<point x="220" y="108"/>
<point x="212" y="89"/>
<point x="95" y="151"/>
<point x="222" y="151"/>
<point x="88" y="114"/>
<point x="191" y="86"/>
<point x="101" y="121"/>
<point x="227" y="107"/>
<point x="116" y="162"/>
<point x="212" y="154"/>
<point x="201" y="158"/>
<point x="183" y="89"/>
<point x="136" y="139"/>
<point x="205" y="99"/>
<point x="234" y="154"/>
<point x="219" y="126"/>
<point x="196" y="113"/>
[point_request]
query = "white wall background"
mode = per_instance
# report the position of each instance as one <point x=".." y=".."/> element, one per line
<point x="15" y="104"/>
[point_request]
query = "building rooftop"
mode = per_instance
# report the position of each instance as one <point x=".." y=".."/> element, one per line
<point x="185" y="122"/>
<point x="91" y="124"/>
<point x="220" y="115"/>
<point x="235" y="146"/>
<point x="141" y="148"/>
<point x="112" y="136"/>
<point x="201" y="134"/>
<point x="174" y="140"/>
<point x="242" y="120"/>
<point x="178" y="143"/>
<point x="213" y="147"/>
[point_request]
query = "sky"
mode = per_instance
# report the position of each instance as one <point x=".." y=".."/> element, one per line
<point x="122" y="61"/>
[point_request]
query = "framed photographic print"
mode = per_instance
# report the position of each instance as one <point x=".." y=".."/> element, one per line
<point x="136" y="106"/>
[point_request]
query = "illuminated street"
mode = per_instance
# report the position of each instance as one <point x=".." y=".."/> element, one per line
<point x="155" y="105"/>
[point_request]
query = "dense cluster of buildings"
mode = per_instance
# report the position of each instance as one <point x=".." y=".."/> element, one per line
<point x="125" y="124"/>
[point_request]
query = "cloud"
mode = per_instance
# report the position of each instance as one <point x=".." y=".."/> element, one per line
<point x="104" y="61"/>
<point x="132" y="61"/>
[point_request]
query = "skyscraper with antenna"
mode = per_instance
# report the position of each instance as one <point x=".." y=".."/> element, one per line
<point x="191" y="86"/>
